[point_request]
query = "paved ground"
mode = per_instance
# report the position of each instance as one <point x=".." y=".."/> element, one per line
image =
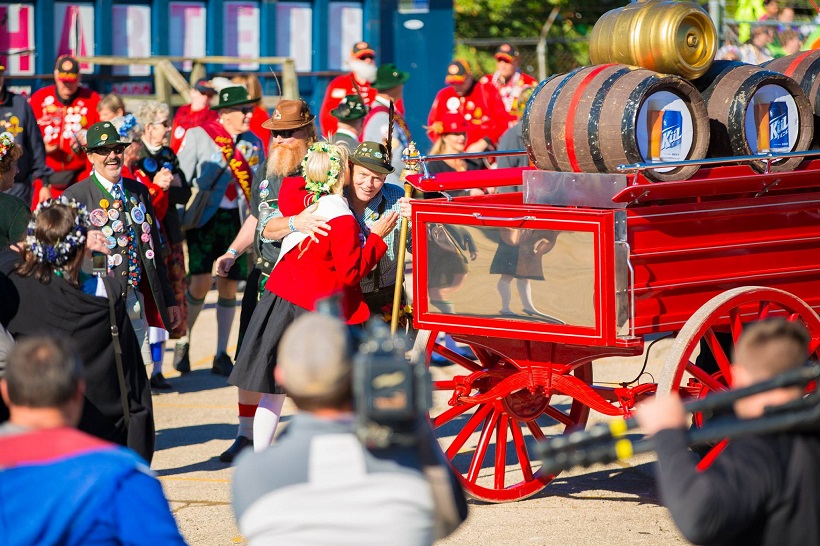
<point x="197" y="421"/>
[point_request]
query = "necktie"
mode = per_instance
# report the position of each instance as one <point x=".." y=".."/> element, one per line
<point x="133" y="256"/>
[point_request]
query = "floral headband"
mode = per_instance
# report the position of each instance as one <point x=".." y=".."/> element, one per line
<point x="322" y="188"/>
<point x="6" y="144"/>
<point x="59" y="254"/>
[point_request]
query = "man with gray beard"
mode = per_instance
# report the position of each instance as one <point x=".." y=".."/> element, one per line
<point x="292" y="133"/>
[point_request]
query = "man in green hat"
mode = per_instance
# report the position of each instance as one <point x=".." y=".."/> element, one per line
<point x="220" y="159"/>
<point x="370" y="198"/>
<point x="121" y="209"/>
<point x="390" y="86"/>
<point x="350" y="113"/>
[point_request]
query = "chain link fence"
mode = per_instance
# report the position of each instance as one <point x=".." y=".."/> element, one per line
<point x="560" y="55"/>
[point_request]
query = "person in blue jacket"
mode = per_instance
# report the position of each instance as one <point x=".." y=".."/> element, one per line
<point x="59" y="485"/>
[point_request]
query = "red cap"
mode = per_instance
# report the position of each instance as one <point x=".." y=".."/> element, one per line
<point x="451" y="122"/>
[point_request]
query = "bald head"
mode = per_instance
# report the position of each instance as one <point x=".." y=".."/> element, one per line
<point x="314" y="362"/>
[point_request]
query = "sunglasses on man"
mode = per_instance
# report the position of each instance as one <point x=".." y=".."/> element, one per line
<point x="245" y="109"/>
<point x="105" y="150"/>
<point x="284" y="133"/>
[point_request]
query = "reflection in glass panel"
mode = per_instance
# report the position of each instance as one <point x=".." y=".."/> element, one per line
<point x="535" y="275"/>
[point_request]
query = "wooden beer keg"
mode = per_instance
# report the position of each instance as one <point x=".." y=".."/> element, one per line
<point x="804" y="68"/>
<point x="666" y="36"/>
<point x="753" y="110"/>
<point x="598" y="117"/>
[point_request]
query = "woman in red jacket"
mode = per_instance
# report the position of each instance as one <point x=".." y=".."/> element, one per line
<point x="308" y="271"/>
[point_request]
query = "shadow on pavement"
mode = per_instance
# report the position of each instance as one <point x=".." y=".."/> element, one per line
<point x="211" y="465"/>
<point x="197" y="381"/>
<point x="192" y="435"/>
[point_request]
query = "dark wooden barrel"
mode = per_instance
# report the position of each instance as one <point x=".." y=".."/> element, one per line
<point x="804" y="68"/>
<point x="598" y="117"/>
<point x="735" y="92"/>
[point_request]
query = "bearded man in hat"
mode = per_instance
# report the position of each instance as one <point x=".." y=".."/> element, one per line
<point x="64" y="111"/>
<point x="477" y="100"/>
<point x="508" y="78"/>
<point x="377" y="125"/>
<point x="319" y="484"/>
<point x="350" y="114"/>
<point x="194" y="114"/>
<point x="220" y="157"/>
<point x="17" y="118"/>
<point x="362" y="63"/>
<point x="121" y="208"/>
<point x="292" y="132"/>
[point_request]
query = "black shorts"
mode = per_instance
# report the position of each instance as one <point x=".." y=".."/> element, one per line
<point x="209" y="242"/>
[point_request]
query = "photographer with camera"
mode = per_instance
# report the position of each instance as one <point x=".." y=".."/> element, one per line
<point x="319" y="484"/>
<point x="762" y="489"/>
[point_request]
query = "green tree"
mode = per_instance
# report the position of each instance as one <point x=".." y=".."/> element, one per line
<point x="481" y="25"/>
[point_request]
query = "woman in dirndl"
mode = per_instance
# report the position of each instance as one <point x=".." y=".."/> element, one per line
<point x="307" y="272"/>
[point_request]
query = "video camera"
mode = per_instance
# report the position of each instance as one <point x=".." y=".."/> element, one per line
<point x="391" y="394"/>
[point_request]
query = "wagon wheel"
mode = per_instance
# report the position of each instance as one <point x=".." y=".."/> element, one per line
<point x="470" y="432"/>
<point x="723" y="318"/>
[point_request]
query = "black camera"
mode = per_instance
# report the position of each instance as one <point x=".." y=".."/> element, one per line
<point x="391" y="394"/>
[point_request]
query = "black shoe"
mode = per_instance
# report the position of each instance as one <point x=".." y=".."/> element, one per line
<point x="159" y="382"/>
<point x="241" y="442"/>
<point x="182" y="363"/>
<point x="222" y="365"/>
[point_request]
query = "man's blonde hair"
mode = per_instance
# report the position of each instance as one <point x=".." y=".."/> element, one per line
<point x="770" y="347"/>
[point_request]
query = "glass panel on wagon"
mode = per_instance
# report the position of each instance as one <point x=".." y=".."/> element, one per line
<point x="537" y="275"/>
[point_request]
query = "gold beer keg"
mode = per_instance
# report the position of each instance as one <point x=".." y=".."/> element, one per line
<point x="660" y="35"/>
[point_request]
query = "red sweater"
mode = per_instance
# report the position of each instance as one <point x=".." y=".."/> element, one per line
<point x="482" y="107"/>
<point x="337" y="263"/>
<point x="184" y="119"/>
<point x="59" y="123"/>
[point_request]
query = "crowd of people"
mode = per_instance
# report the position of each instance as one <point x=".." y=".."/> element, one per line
<point x="767" y="30"/>
<point x="295" y="211"/>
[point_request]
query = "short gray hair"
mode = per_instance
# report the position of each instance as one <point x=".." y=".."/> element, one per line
<point x="150" y="110"/>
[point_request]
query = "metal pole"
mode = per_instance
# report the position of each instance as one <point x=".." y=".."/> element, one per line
<point x="410" y="157"/>
<point x="542" y="44"/>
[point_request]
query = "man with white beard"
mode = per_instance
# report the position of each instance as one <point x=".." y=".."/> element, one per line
<point x="292" y="133"/>
<point x="362" y="64"/>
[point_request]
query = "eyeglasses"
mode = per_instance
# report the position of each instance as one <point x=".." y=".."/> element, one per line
<point x="285" y="133"/>
<point x="367" y="58"/>
<point x="106" y="150"/>
<point x="165" y="123"/>
<point x="245" y="110"/>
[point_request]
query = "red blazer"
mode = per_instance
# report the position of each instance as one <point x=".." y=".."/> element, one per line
<point x="337" y="263"/>
<point x="482" y="108"/>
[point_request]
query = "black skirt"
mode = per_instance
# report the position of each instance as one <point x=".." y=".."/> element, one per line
<point x="254" y="366"/>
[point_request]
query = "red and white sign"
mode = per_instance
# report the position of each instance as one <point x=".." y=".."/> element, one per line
<point x="74" y="31"/>
<point x="241" y="37"/>
<point x="131" y="25"/>
<point x="128" y="88"/>
<point x="17" y="38"/>
<point x="188" y="37"/>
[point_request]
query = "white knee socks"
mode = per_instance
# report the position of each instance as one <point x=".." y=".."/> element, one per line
<point x="505" y="291"/>
<point x="266" y="419"/>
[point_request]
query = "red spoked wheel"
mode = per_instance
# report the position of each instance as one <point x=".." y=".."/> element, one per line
<point x="496" y="411"/>
<point x="722" y="319"/>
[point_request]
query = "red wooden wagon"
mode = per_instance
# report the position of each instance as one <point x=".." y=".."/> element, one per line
<point x="624" y="260"/>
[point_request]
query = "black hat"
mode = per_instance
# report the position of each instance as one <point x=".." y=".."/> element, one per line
<point x="235" y="95"/>
<point x="101" y="134"/>
<point x="351" y="108"/>
<point x="506" y="52"/>
<point x="457" y="72"/>
<point x="67" y="68"/>
<point x="373" y="156"/>
<point x="388" y="77"/>
<point x="361" y="50"/>
<point x="205" y="87"/>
